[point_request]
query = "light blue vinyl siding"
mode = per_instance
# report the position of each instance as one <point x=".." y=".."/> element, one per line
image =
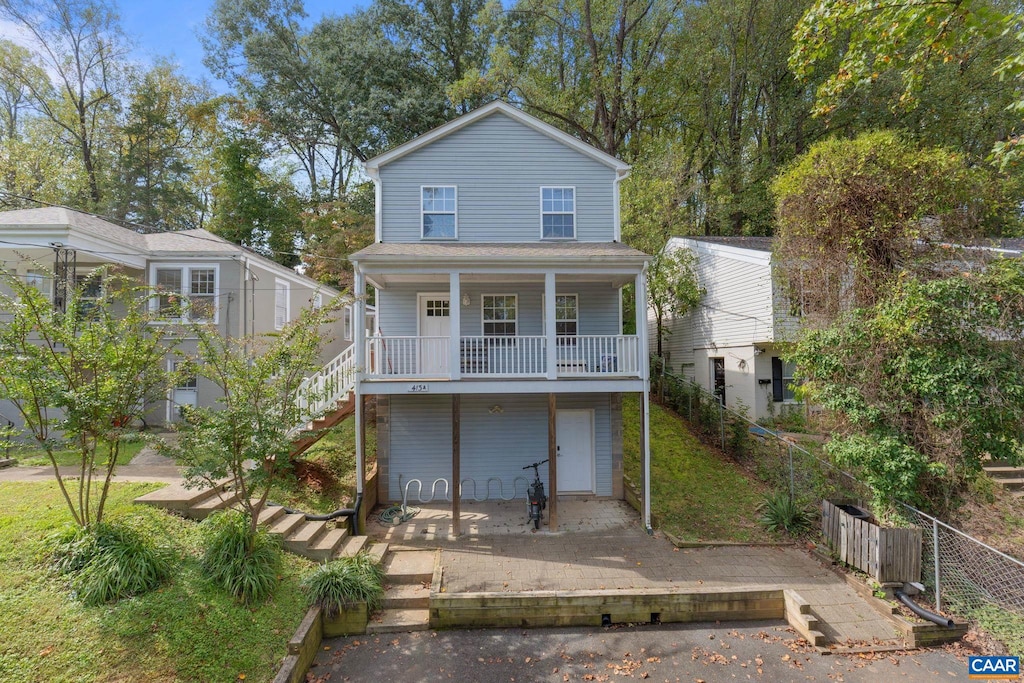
<point x="499" y="166"/>
<point x="494" y="445"/>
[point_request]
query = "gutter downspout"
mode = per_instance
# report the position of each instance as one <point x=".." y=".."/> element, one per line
<point x="645" y="370"/>
<point x="359" y="339"/>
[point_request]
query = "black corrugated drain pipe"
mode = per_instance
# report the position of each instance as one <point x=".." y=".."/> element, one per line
<point x="352" y="514"/>
<point x="922" y="612"/>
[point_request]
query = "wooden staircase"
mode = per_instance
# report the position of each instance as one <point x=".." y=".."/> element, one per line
<point x="1008" y="476"/>
<point x="315" y="540"/>
<point x="315" y="430"/>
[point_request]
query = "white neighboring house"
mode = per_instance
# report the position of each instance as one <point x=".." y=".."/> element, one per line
<point x="732" y="343"/>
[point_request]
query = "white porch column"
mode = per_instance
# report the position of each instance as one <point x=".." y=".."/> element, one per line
<point x="359" y="339"/>
<point x="640" y="289"/>
<point x="455" y="326"/>
<point x="549" y="325"/>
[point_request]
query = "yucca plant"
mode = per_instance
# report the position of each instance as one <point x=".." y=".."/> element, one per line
<point x="333" y="586"/>
<point x="244" y="564"/>
<point x="781" y="512"/>
<point x="105" y="563"/>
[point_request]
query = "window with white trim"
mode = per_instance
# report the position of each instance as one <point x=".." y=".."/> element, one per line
<point x="438" y="212"/>
<point x="186" y="292"/>
<point x="89" y="286"/>
<point x="783" y="384"/>
<point x="558" y="212"/>
<point x="39" y="280"/>
<point x="282" y="294"/>
<point x="500" y="314"/>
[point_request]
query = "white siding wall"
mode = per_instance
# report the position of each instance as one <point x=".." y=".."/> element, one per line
<point x="499" y="166"/>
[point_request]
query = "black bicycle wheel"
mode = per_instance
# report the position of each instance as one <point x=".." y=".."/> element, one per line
<point x="536" y="521"/>
<point x="535" y="515"/>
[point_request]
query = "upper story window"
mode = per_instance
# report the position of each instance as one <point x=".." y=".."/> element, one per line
<point x="500" y="315"/>
<point x="282" y="294"/>
<point x="185" y="292"/>
<point x="558" y="213"/>
<point x="438" y="212"/>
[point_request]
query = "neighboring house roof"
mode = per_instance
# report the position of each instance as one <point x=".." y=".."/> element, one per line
<point x="189" y="242"/>
<point x="496" y="107"/>
<point x="503" y="252"/>
<point x="57" y="217"/>
<point x="1012" y="244"/>
<point x="743" y="242"/>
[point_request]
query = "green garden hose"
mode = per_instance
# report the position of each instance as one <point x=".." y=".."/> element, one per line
<point x="395" y="515"/>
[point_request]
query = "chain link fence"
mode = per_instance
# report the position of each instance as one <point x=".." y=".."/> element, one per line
<point x="965" y="576"/>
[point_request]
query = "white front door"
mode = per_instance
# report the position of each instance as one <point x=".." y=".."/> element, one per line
<point x="575" y="435"/>
<point x="434" y="330"/>
<point x="183" y="396"/>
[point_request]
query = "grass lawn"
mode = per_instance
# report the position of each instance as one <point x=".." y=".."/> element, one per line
<point x="697" y="494"/>
<point x="34" y="456"/>
<point x="187" y="630"/>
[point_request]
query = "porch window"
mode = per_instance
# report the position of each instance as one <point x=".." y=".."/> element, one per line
<point x="186" y="292"/>
<point x="782" y="380"/>
<point x="282" y="293"/>
<point x="438" y="212"/>
<point x="90" y="291"/>
<point x="558" y="212"/>
<point x="39" y="280"/>
<point x="500" y="313"/>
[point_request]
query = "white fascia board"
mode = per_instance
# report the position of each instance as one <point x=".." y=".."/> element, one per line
<point x="120" y="254"/>
<point x="504" y="386"/>
<point x="497" y="106"/>
<point x="727" y="250"/>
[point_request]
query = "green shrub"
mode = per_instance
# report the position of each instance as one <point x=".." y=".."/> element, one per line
<point x="105" y="563"/>
<point x="242" y="563"/>
<point x="334" y="585"/>
<point x="780" y="512"/>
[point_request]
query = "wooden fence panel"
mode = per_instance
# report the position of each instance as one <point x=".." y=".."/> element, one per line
<point x="886" y="554"/>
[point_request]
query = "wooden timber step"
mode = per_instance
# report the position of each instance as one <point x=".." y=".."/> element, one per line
<point x="407" y="596"/>
<point x="410" y="567"/>
<point x="399" y="621"/>
<point x="1015" y="484"/>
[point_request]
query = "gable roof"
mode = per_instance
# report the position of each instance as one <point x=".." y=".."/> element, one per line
<point x="742" y="242"/>
<point x="59" y="217"/>
<point x="496" y="107"/>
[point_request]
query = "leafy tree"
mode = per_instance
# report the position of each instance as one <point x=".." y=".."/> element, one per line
<point x="80" y="378"/>
<point x="333" y="231"/>
<point x="248" y="437"/>
<point x="858" y="43"/>
<point x="856" y="215"/>
<point x="253" y="208"/>
<point x="926" y="383"/>
<point x="673" y="288"/>
<point x="79" y="43"/>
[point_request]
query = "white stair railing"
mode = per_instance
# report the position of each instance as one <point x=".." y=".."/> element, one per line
<point x="322" y="390"/>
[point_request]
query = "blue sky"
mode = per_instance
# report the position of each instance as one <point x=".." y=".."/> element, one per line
<point x="168" y="29"/>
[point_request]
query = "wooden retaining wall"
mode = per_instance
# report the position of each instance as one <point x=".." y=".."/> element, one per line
<point x="888" y="555"/>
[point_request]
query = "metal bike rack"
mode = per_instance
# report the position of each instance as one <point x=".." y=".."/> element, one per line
<point x="501" y="488"/>
<point x="447" y="490"/>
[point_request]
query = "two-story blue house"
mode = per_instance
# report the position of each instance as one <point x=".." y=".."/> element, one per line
<point x="498" y="274"/>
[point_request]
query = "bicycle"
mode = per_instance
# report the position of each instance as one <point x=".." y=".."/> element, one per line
<point x="536" y="497"/>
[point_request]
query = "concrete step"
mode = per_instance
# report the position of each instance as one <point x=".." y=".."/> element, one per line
<point x="303" y="535"/>
<point x="286" y="524"/>
<point x="377" y="551"/>
<point x="399" y="621"/>
<point x="353" y="545"/>
<point x="410" y="567"/>
<point x="220" y="500"/>
<point x="407" y="597"/>
<point x="175" y="497"/>
<point x="270" y="514"/>
<point x="1012" y="484"/>
<point x="1004" y="472"/>
<point x="326" y="545"/>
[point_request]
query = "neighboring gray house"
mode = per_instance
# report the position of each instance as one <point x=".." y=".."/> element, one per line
<point x="239" y="291"/>
<point x="498" y="274"/>
<point x="732" y="343"/>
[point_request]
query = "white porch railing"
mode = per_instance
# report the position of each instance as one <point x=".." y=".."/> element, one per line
<point x="328" y="385"/>
<point x="407" y="356"/>
<point x="602" y="355"/>
<point x="503" y="357"/>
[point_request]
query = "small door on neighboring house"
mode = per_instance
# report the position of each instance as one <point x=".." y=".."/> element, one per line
<point x="718" y="378"/>
<point x="435" y="323"/>
<point x="575" y="451"/>
<point x="183" y="396"/>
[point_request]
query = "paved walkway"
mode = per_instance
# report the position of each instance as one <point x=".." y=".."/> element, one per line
<point x="133" y="473"/>
<point x="502" y="554"/>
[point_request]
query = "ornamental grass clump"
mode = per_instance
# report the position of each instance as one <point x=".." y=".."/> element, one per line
<point x="106" y="563"/>
<point x="334" y="586"/>
<point x="242" y="563"/>
<point x="782" y="512"/>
